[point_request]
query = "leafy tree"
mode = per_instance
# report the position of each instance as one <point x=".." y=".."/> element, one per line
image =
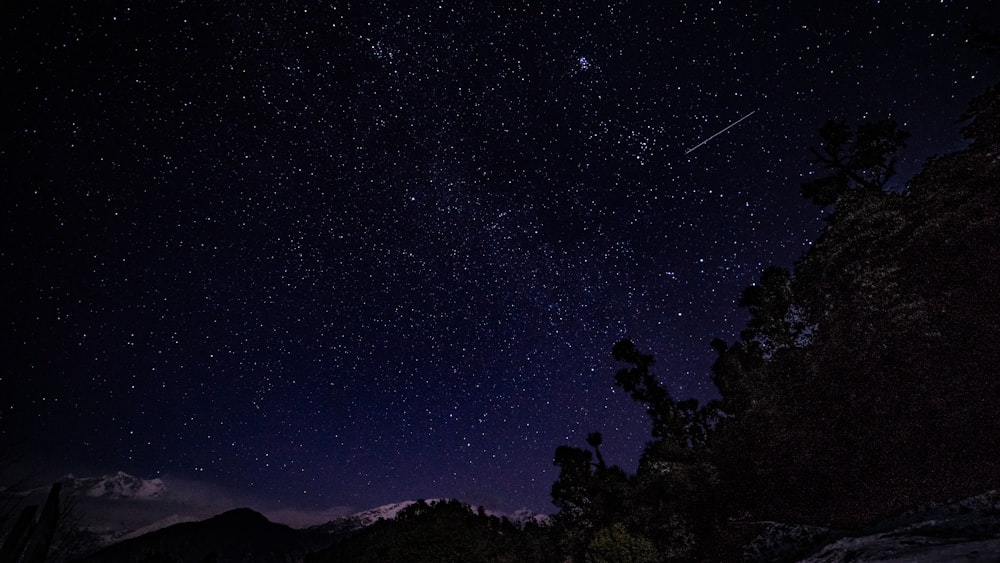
<point x="682" y="423"/>
<point x="617" y="545"/>
<point x="589" y="495"/>
<point x="670" y="504"/>
<point x="674" y="491"/>
<point x="862" y="159"/>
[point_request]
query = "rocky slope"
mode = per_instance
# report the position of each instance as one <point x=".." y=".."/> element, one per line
<point x="964" y="530"/>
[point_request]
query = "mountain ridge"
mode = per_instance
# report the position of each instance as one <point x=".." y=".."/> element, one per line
<point x="244" y="535"/>
<point x="106" y="514"/>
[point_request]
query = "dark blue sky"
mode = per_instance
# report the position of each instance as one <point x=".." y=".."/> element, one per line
<point x="341" y="254"/>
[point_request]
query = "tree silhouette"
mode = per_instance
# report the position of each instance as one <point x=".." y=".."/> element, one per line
<point x="594" y="440"/>
<point x="590" y="496"/>
<point x="682" y="423"/>
<point x="854" y="387"/>
<point x="862" y="384"/>
<point x="861" y="159"/>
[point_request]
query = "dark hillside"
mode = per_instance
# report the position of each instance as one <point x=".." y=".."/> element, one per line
<point x="878" y="388"/>
<point x="237" y="536"/>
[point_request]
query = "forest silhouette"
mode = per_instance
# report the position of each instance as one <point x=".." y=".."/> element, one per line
<point x="863" y="384"/>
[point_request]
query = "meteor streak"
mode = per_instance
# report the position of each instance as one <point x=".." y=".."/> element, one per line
<point x="728" y="127"/>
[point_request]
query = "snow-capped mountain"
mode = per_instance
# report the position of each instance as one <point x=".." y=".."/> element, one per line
<point x="106" y="509"/>
<point x="384" y="512"/>
<point x="525" y="515"/>
<point x="121" y="485"/>
<point x="120" y="507"/>
<point x="365" y="518"/>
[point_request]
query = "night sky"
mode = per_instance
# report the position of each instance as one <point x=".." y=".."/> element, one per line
<point x="350" y="253"/>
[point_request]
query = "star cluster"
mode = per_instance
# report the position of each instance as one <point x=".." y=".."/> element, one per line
<point x="338" y="253"/>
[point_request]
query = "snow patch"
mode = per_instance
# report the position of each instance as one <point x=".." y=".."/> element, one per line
<point x="121" y="485"/>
